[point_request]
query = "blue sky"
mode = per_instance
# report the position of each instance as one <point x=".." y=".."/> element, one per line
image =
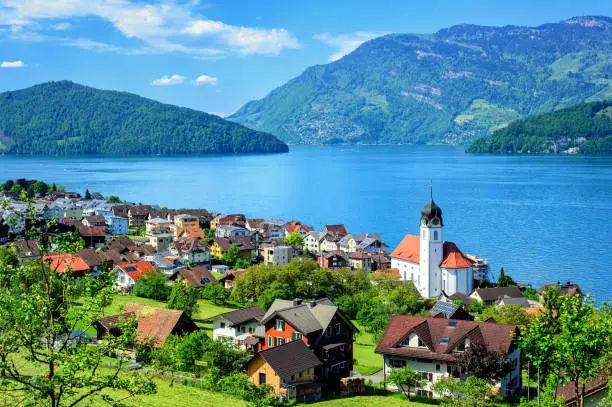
<point x="216" y="56"/>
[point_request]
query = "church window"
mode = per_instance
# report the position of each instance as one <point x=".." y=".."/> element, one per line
<point x="436" y="235"/>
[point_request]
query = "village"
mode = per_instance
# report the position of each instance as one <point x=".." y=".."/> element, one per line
<point x="293" y="299"/>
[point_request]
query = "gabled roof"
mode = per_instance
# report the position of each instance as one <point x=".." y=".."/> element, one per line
<point x="306" y="318"/>
<point x="522" y="301"/>
<point x="91" y="257"/>
<point x="290" y="358"/>
<point x="63" y="262"/>
<point x="336" y="229"/>
<point x="243" y="315"/>
<point x="453" y="258"/>
<point x="441" y="336"/>
<point x="197" y="276"/>
<point x="137" y="270"/>
<point x="155" y="323"/>
<point x="408" y="249"/>
<point x="445" y="308"/>
<point x="92" y="231"/>
<point x="492" y="294"/>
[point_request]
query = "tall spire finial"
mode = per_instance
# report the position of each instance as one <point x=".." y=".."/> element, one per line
<point x="430" y="190"/>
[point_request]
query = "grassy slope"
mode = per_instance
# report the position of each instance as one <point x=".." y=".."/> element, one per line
<point x="366" y="361"/>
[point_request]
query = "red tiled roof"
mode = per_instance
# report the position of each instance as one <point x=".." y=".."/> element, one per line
<point x="336" y="229"/>
<point x="97" y="231"/>
<point x="197" y="276"/>
<point x="408" y="249"/>
<point x="154" y="323"/>
<point x="193" y="234"/>
<point x="61" y="262"/>
<point x="496" y="337"/>
<point x="137" y="270"/>
<point x="453" y="258"/>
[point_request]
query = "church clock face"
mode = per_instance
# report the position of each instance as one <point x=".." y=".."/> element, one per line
<point x="424" y="221"/>
<point x="435" y="221"/>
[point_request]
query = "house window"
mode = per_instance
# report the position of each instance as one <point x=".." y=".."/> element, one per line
<point x="461" y="346"/>
<point x="269" y="341"/>
<point x="278" y="341"/>
<point x="250" y="330"/>
<point x="421" y="344"/>
<point x="295" y="336"/>
<point x="293" y="378"/>
<point x="262" y="378"/>
<point x="243" y="329"/>
<point x="398" y="363"/>
<point x="280" y="325"/>
<point x="328" y="331"/>
<point x="301" y="374"/>
<point x="437" y="368"/>
<point x="338" y="329"/>
<point x="222" y="325"/>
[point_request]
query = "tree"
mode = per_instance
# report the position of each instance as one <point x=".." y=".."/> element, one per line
<point x="295" y="239"/>
<point x="483" y="363"/>
<point x="113" y="199"/>
<point x="214" y="293"/>
<point x="8" y="258"/>
<point x="405" y="379"/>
<point x="472" y="392"/>
<point x="53" y="188"/>
<point x="87" y="194"/>
<point x="275" y="291"/>
<point x="152" y="285"/>
<point x="512" y="314"/>
<point x="531" y="294"/>
<point x="504" y="280"/>
<point x="183" y="298"/>
<point x="43" y="362"/>
<point x="16" y="188"/>
<point x="40" y="188"/>
<point x="232" y="255"/>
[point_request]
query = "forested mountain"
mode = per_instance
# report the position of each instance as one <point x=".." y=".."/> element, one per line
<point x="64" y="118"/>
<point x="585" y="128"/>
<point x="453" y="86"/>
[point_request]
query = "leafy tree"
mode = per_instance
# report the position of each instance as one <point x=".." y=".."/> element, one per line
<point x="53" y="188"/>
<point x="87" y="194"/>
<point x="295" y="239"/>
<point x="232" y="255"/>
<point x="16" y="188"/>
<point x="113" y="199"/>
<point x="531" y="294"/>
<point x="504" y="280"/>
<point x="183" y="298"/>
<point x="214" y="293"/>
<point x="477" y="307"/>
<point x="472" y="392"/>
<point x="8" y="258"/>
<point x="483" y="363"/>
<point x="512" y="314"/>
<point x="40" y="188"/>
<point x="406" y="379"/>
<point x="275" y="291"/>
<point x="152" y="285"/>
<point x="42" y="361"/>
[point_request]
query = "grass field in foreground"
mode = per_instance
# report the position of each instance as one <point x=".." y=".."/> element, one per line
<point x="366" y="361"/>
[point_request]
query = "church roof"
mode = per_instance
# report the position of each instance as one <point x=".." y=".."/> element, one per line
<point x="431" y="211"/>
<point x="453" y="258"/>
<point x="408" y="249"/>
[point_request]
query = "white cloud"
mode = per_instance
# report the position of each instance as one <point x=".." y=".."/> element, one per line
<point x="62" y="26"/>
<point x="345" y="43"/>
<point x="169" y="80"/>
<point x="12" y="64"/>
<point x="206" y="80"/>
<point x="220" y="114"/>
<point x="173" y="26"/>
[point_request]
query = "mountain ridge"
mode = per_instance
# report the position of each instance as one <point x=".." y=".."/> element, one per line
<point x="66" y="118"/>
<point x="452" y="86"/>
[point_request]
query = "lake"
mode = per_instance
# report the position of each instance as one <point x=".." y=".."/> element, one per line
<point x="543" y="218"/>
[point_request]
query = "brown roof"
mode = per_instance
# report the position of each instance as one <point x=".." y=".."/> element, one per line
<point x="408" y="249"/>
<point x="140" y="210"/>
<point x="95" y="219"/>
<point x="336" y="229"/>
<point x="91" y="257"/>
<point x="492" y="294"/>
<point x="112" y="320"/>
<point x="197" y="276"/>
<point x="25" y="247"/>
<point x="290" y="358"/>
<point x="440" y="336"/>
<point x="94" y="231"/>
<point x="232" y="274"/>
<point x="154" y="323"/>
<point x="566" y="288"/>
<point x="568" y="391"/>
<point x="244" y="315"/>
<point x="453" y="258"/>
<point x="186" y="244"/>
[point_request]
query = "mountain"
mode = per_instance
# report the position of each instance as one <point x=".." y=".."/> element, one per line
<point x="64" y="118"/>
<point x="453" y="86"/>
<point x="584" y="128"/>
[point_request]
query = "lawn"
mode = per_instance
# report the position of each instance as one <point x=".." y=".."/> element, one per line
<point x="393" y="400"/>
<point x="366" y="361"/>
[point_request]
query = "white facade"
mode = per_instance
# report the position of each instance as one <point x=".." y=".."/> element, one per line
<point x="117" y="225"/>
<point x="222" y="328"/>
<point x="196" y="255"/>
<point x="230" y="231"/>
<point x="278" y="255"/>
<point x="124" y="281"/>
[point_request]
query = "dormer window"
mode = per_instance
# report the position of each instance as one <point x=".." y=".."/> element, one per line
<point x="460" y="346"/>
<point x="444" y="339"/>
<point x="413" y="341"/>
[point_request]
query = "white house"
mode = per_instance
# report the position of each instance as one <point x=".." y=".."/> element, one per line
<point x="128" y="273"/>
<point x="431" y="263"/>
<point x="190" y="250"/>
<point x="117" y="225"/>
<point x="431" y="346"/>
<point x="230" y="231"/>
<point x="277" y="255"/>
<point x="313" y="241"/>
<point x="238" y="326"/>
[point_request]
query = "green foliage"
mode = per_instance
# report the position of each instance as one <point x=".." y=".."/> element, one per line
<point x="8" y="258"/>
<point x="16" y="189"/>
<point x="40" y="188"/>
<point x="512" y="314"/>
<point x="531" y="294"/>
<point x="504" y="280"/>
<point x="405" y="379"/>
<point x="451" y="86"/>
<point x="477" y="307"/>
<point x="112" y="198"/>
<point x="483" y="363"/>
<point x="234" y="258"/>
<point x="87" y="194"/>
<point x="152" y="285"/>
<point x="72" y="119"/>
<point x="472" y="392"/>
<point x="276" y="290"/>
<point x="214" y="293"/>
<point x="586" y="126"/>
<point x="183" y="298"/>
<point x="295" y="239"/>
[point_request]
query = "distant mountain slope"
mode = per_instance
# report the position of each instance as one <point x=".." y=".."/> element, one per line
<point x="64" y="118"/>
<point x="585" y="128"/>
<point x="453" y="86"/>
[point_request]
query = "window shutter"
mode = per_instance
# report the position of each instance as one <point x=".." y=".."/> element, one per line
<point x="282" y="325"/>
<point x="269" y="341"/>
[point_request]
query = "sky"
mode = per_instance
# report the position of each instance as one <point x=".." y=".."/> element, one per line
<point x="217" y="55"/>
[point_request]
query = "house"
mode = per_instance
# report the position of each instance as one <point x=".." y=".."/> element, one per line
<point x="337" y="231"/>
<point x="255" y="225"/>
<point x="293" y="227"/>
<point x="314" y="240"/>
<point x="227" y="281"/>
<point x="289" y="369"/>
<point x="566" y="288"/>
<point x="234" y="219"/>
<point x="193" y="234"/>
<point x="220" y="245"/>
<point x="220" y="268"/>
<point x="381" y="262"/>
<point x="117" y="225"/>
<point x="63" y="262"/>
<point x="333" y="260"/>
<point x="94" y="221"/>
<point x="190" y="250"/>
<point x="273" y="231"/>
<point x="94" y="236"/>
<point x="185" y="223"/>
<point x="433" y="264"/>
<point x="522" y="301"/>
<point x="320" y="325"/>
<point x="92" y="258"/>
<point x="27" y="249"/>
<point x="128" y="273"/>
<point x="449" y="310"/>
<point x="153" y="324"/>
<point x="230" y="231"/>
<point x="138" y="215"/>
<point x="329" y="244"/>
<point x="238" y="326"/>
<point x="276" y="254"/>
<point x="157" y="223"/>
<point x="430" y="346"/>
<point x="491" y="295"/>
<point x="363" y="242"/>
<point x="360" y="261"/>
<point x="160" y="238"/>
<point x="194" y="277"/>
<point x="73" y="211"/>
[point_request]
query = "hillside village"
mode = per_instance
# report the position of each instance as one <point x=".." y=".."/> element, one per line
<point x="312" y="314"/>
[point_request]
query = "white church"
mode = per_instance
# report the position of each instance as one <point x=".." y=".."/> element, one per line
<point x="431" y="263"/>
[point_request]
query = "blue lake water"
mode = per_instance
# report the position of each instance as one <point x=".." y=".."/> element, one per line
<point x="543" y="218"/>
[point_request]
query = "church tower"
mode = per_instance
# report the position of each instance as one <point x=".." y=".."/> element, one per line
<point x="431" y="246"/>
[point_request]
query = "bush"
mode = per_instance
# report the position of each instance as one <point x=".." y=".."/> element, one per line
<point x="152" y="285"/>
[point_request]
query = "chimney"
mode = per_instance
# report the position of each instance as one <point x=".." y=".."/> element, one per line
<point x="313" y="303"/>
<point x="297" y="301"/>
